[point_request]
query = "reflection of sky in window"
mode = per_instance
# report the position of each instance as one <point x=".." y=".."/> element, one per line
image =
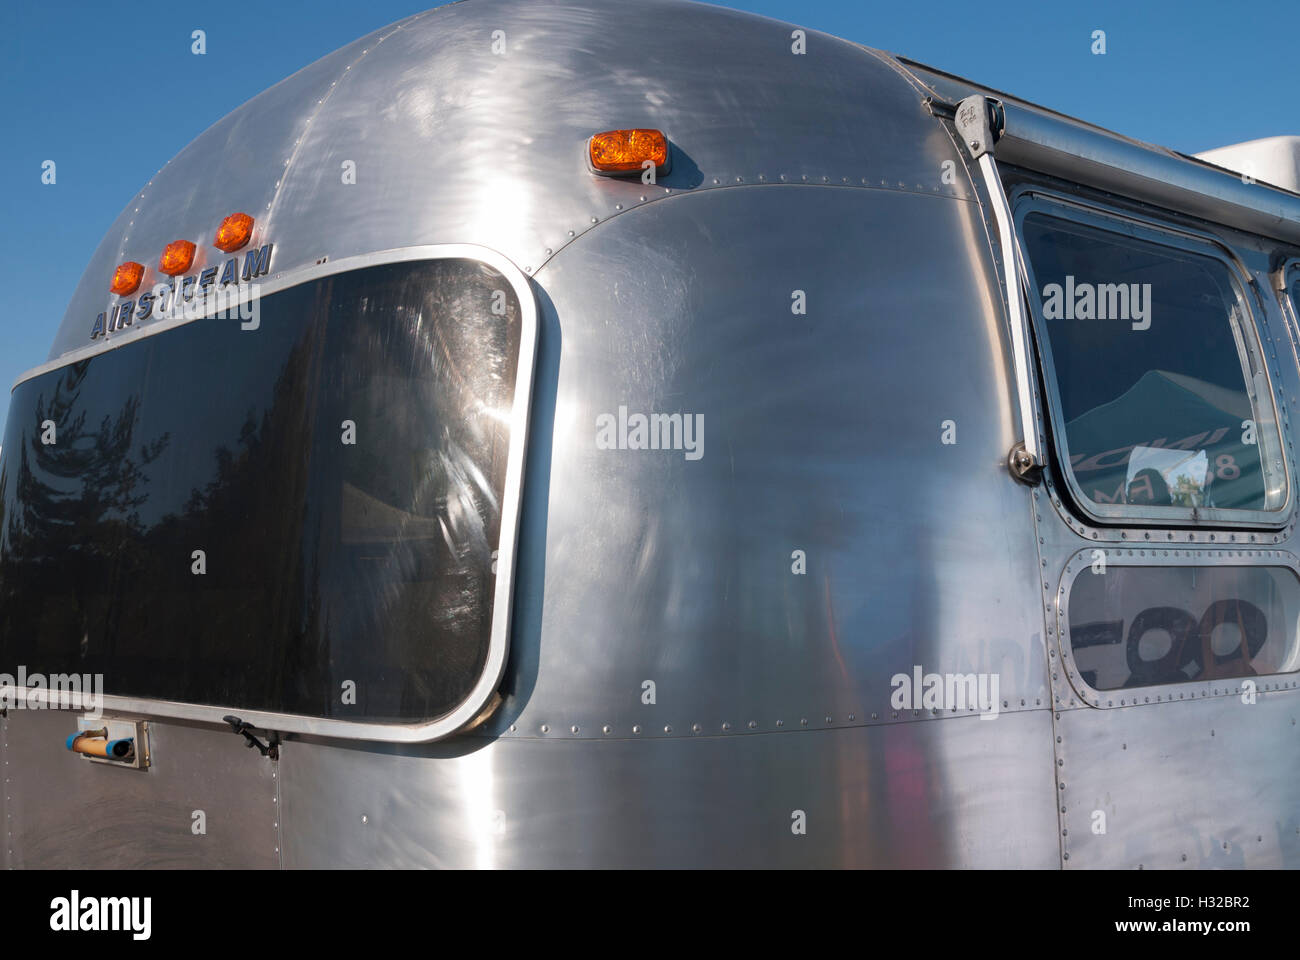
<point x="1178" y="383"/>
<point x="1191" y="301"/>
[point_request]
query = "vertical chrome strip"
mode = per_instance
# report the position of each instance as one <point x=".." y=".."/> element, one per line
<point x="1014" y="270"/>
<point x="980" y="121"/>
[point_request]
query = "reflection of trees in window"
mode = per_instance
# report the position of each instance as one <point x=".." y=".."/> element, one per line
<point x="248" y="520"/>
<point x="75" y="510"/>
<point x="369" y="563"/>
<point x="1187" y="493"/>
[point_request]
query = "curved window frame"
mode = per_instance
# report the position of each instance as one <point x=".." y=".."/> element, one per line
<point x="481" y="695"/>
<point x="1029" y="200"/>
<point x="1156" y="693"/>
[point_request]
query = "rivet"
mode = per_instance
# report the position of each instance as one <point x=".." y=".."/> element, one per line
<point x="726" y="726"/>
<point x="696" y="727"/>
<point x="667" y="728"/>
<point x="606" y="728"/>
<point x="636" y="728"/>
<point x="574" y="728"/>
<point x="546" y="728"/>
<point x="753" y="724"/>
<point x="364" y="818"/>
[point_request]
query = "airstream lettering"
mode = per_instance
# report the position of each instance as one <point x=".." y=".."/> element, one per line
<point x="163" y="303"/>
<point x="518" y="528"/>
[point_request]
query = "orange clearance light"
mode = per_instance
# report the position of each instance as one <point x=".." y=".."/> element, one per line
<point x="177" y="257"/>
<point x="127" y="277"/>
<point x="234" y="232"/>
<point x="626" y="151"/>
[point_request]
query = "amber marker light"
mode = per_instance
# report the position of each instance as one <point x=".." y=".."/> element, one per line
<point x="626" y="151"/>
<point x="126" y="278"/>
<point x="234" y="232"/>
<point x="177" y="257"/>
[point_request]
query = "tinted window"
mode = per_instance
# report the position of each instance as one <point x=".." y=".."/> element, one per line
<point x="341" y="468"/>
<point x="1158" y="399"/>
<point x="1144" y="626"/>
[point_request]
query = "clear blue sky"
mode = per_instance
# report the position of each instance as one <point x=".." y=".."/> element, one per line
<point x="110" y="91"/>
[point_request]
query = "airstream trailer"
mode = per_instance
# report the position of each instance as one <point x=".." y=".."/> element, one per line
<point x="588" y="434"/>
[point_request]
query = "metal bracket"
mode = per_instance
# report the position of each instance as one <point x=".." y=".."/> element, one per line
<point x="119" y="729"/>
<point x="1023" y="466"/>
<point x="269" y="749"/>
<point x="980" y="121"/>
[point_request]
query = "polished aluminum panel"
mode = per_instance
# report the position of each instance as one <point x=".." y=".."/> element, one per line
<point x="1189" y="784"/>
<point x="957" y="792"/>
<point x="453" y="143"/>
<point x="823" y="433"/>
<point x="69" y="812"/>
